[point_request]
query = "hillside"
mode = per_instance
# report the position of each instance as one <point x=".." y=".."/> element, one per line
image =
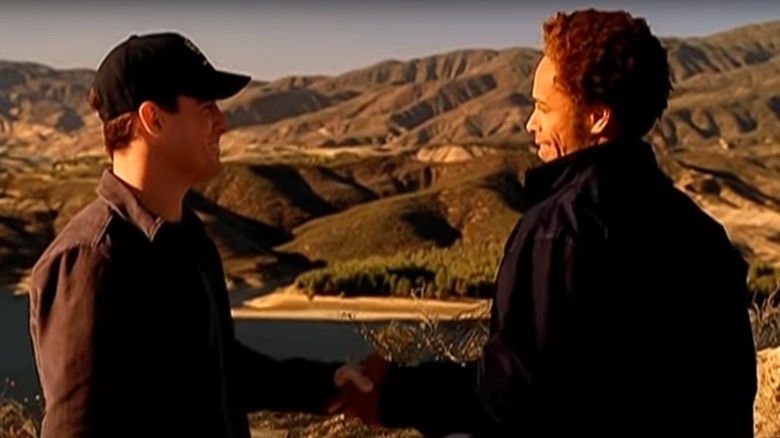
<point x="395" y="157"/>
<point x="404" y="176"/>
<point x="726" y="86"/>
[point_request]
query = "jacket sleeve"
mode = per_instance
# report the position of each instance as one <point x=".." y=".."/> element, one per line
<point x="261" y="382"/>
<point x="291" y="385"/>
<point x="65" y="321"/>
<point x="535" y="291"/>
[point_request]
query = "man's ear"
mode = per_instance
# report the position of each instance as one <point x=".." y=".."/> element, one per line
<point x="151" y="119"/>
<point x="601" y="116"/>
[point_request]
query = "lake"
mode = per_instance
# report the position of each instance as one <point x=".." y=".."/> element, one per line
<point x="323" y="340"/>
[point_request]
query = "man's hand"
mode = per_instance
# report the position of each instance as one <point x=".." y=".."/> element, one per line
<point x="360" y="385"/>
<point x="353" y="375"/>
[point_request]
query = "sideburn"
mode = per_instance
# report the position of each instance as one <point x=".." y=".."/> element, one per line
<point x="580" y="130"/>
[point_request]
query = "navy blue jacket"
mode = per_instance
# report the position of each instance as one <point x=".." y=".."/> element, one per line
<point x="620" y="310"/>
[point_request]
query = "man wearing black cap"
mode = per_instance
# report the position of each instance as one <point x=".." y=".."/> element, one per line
<point x="129" y="314"/>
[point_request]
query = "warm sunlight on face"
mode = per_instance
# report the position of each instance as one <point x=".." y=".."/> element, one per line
<point x="557" y="127"/>
<point x="192" y="138"/>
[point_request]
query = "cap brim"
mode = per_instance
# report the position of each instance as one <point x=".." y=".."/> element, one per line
<point x="222" y="85"/>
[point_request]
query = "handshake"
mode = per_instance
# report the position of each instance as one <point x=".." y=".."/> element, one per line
<point x="359" y="386"/>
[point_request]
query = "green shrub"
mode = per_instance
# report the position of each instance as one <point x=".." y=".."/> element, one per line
<point x="458" y="270"/>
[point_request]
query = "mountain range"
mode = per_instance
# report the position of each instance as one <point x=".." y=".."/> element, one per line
<point x="396" y="156"/>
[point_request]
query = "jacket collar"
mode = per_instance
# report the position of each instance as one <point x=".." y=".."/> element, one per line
<point x="629" y="156"/>
<point x="121" y="199"/>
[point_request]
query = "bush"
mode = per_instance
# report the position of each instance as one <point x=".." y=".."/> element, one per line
<point x="430" y="338"/>
<point x="764" y="281"/>
<point x="765" y="319"/>
<point x="458" y="270"/>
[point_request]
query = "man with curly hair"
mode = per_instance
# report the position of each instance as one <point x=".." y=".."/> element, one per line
<point x="621" y="307"/>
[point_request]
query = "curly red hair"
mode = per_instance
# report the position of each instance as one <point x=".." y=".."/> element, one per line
<point x="610" y="58"/>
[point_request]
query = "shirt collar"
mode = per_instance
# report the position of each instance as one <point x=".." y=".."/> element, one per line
<point x="543" y="181"/>
<point x="121" y="199"/>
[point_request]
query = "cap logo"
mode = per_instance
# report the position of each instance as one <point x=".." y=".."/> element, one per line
<point x="190" y="45"/>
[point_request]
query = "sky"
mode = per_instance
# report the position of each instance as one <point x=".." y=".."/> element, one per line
<point x="271" y="39"/>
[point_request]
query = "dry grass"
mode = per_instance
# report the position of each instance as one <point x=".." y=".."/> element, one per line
<point x="459" y="339"/>
<point x="314" y="426"/>
<point x="17" y="420"/>
<point x="766" y="328"/>
<point x="766" y="322"/>
<point x="768" y="400"/>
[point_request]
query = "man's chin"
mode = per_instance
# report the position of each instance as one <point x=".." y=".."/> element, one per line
<point x="545" y="154"/>
<point x="541" y="153"/>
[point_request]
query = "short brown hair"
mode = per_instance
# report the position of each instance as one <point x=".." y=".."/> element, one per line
<point x="121" y="130"/>
<point x="117" y="132"/>
<point x="611" y="58"/>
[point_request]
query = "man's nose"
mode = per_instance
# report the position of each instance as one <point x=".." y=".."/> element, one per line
<point x="530" y="125"/>
<point x="220" y="122"/>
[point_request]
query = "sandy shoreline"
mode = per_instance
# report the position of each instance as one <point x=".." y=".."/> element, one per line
<point x="287" y="304"/>
<point x="292" y="304"/>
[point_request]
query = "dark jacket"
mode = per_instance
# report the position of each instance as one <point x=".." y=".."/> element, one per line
<point x="620" y="310"/>
<point x="133" y="335"/>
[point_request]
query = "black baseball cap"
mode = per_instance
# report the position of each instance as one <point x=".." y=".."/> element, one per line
<point x="155" y="67"/>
